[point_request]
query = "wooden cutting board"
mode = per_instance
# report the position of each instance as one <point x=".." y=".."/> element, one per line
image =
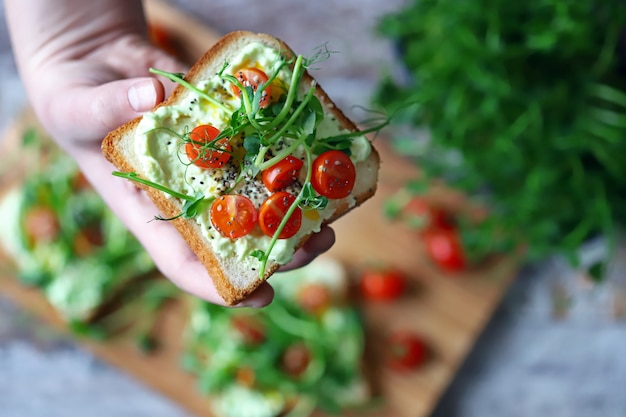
<point x="449" y="311"/>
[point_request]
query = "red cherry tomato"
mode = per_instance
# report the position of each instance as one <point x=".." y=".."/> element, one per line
<point x="425" y="216"/>
<point x="444" y="247"/>
<point x="233" y="215"/>
<point x="405" y="351"/>
<point x="245" y="376"/>
<point x="333" y="174"/>
<point x="253" y="77"/>
<point x="272" y="212"/>
<point x="282" y="174"/>
<point x="314" y="298"/>
<point x="80" y="182"/>
<point x="382" y="284"/>
<point x="296" y="359"/>
<point x="41" y="225"/>
<point x="249" y="328"/>
<point x="204" y="151"/>
<point x="88" y="240"/>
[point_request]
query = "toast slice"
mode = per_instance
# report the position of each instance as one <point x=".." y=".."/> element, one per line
<point x="291" y="366"/>
<point x="59" y="236"/>
<point x="154" y="147"/>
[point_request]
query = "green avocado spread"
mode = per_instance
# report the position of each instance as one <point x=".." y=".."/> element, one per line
<point x="163" y="159"/>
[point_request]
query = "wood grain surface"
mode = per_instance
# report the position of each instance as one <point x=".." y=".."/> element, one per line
<point x="448" y="310"/>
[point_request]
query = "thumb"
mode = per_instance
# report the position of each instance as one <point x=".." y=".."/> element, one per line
<point x="88" y="113"/>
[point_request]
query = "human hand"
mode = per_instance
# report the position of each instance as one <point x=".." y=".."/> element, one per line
<point x="85" y="69"/>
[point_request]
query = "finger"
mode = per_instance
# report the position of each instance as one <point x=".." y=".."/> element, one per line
<point x="169" y="64"/>
<point x="134" y="60"/>
<point x="92" y="112"/>
<point x="261" y="297"/>
<point x="318" y="243"/>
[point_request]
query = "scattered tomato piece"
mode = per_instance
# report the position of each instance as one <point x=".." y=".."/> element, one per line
<point x="444" y="248"/>
<point x="382" y="284"/>
<point x="405" y="351"/>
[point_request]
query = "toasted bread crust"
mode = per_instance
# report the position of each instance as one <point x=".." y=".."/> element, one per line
<point x="221" y="270"/>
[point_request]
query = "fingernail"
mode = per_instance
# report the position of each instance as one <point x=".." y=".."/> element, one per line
<point x="253" y="303"/>
<point x="142" y="96"/>
<point x="261" y="297"/>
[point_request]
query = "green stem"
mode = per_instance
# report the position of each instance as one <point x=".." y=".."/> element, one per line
<point x="291" y="96"/>
<point x="180" y="80"/>
<point x="133" y="176"/>
<point x="247" y="103"/>
<point x="280" y="155"/>
<point x="259" y="159"/>
<point x="356" y="133"/>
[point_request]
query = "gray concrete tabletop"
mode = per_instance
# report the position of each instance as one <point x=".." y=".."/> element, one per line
<point x="531" y="360"/>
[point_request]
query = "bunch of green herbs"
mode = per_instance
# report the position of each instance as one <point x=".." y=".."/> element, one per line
<point x="523" y="105"/>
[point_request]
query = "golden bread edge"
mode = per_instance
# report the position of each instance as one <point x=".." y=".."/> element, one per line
<point x="190" y="231"/>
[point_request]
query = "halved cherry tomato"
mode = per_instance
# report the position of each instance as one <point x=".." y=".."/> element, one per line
<point x="41" y="225"/>
<point x="282" y="174"/>
<point x="405" y="351"/>
<point x="333" y="174"/>
<point x="233" y="215"/>
<point x="88" y="240"/>
<point x="296" y="359"/>
<point x="272" y="212"/>
<point x="382" y="284"/>
<point x="314" y="298"/>
<point x="424" y="215"/>
<point x="253" y="77"/>
<point x="80" y="182"/>
<point x="245" y="376"/>
<point x="249" y="328"/>
<point x="204" y="151"/>
<point x="444" y="247"/>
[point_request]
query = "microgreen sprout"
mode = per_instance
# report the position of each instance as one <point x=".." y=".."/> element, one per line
<point x="192" y="206"/>
<point x="180" y="79"/>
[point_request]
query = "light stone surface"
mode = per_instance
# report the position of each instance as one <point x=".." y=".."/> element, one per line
<point x="526" y="364"/>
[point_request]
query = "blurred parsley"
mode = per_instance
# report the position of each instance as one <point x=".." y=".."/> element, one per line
<point x="525" y="105"/>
